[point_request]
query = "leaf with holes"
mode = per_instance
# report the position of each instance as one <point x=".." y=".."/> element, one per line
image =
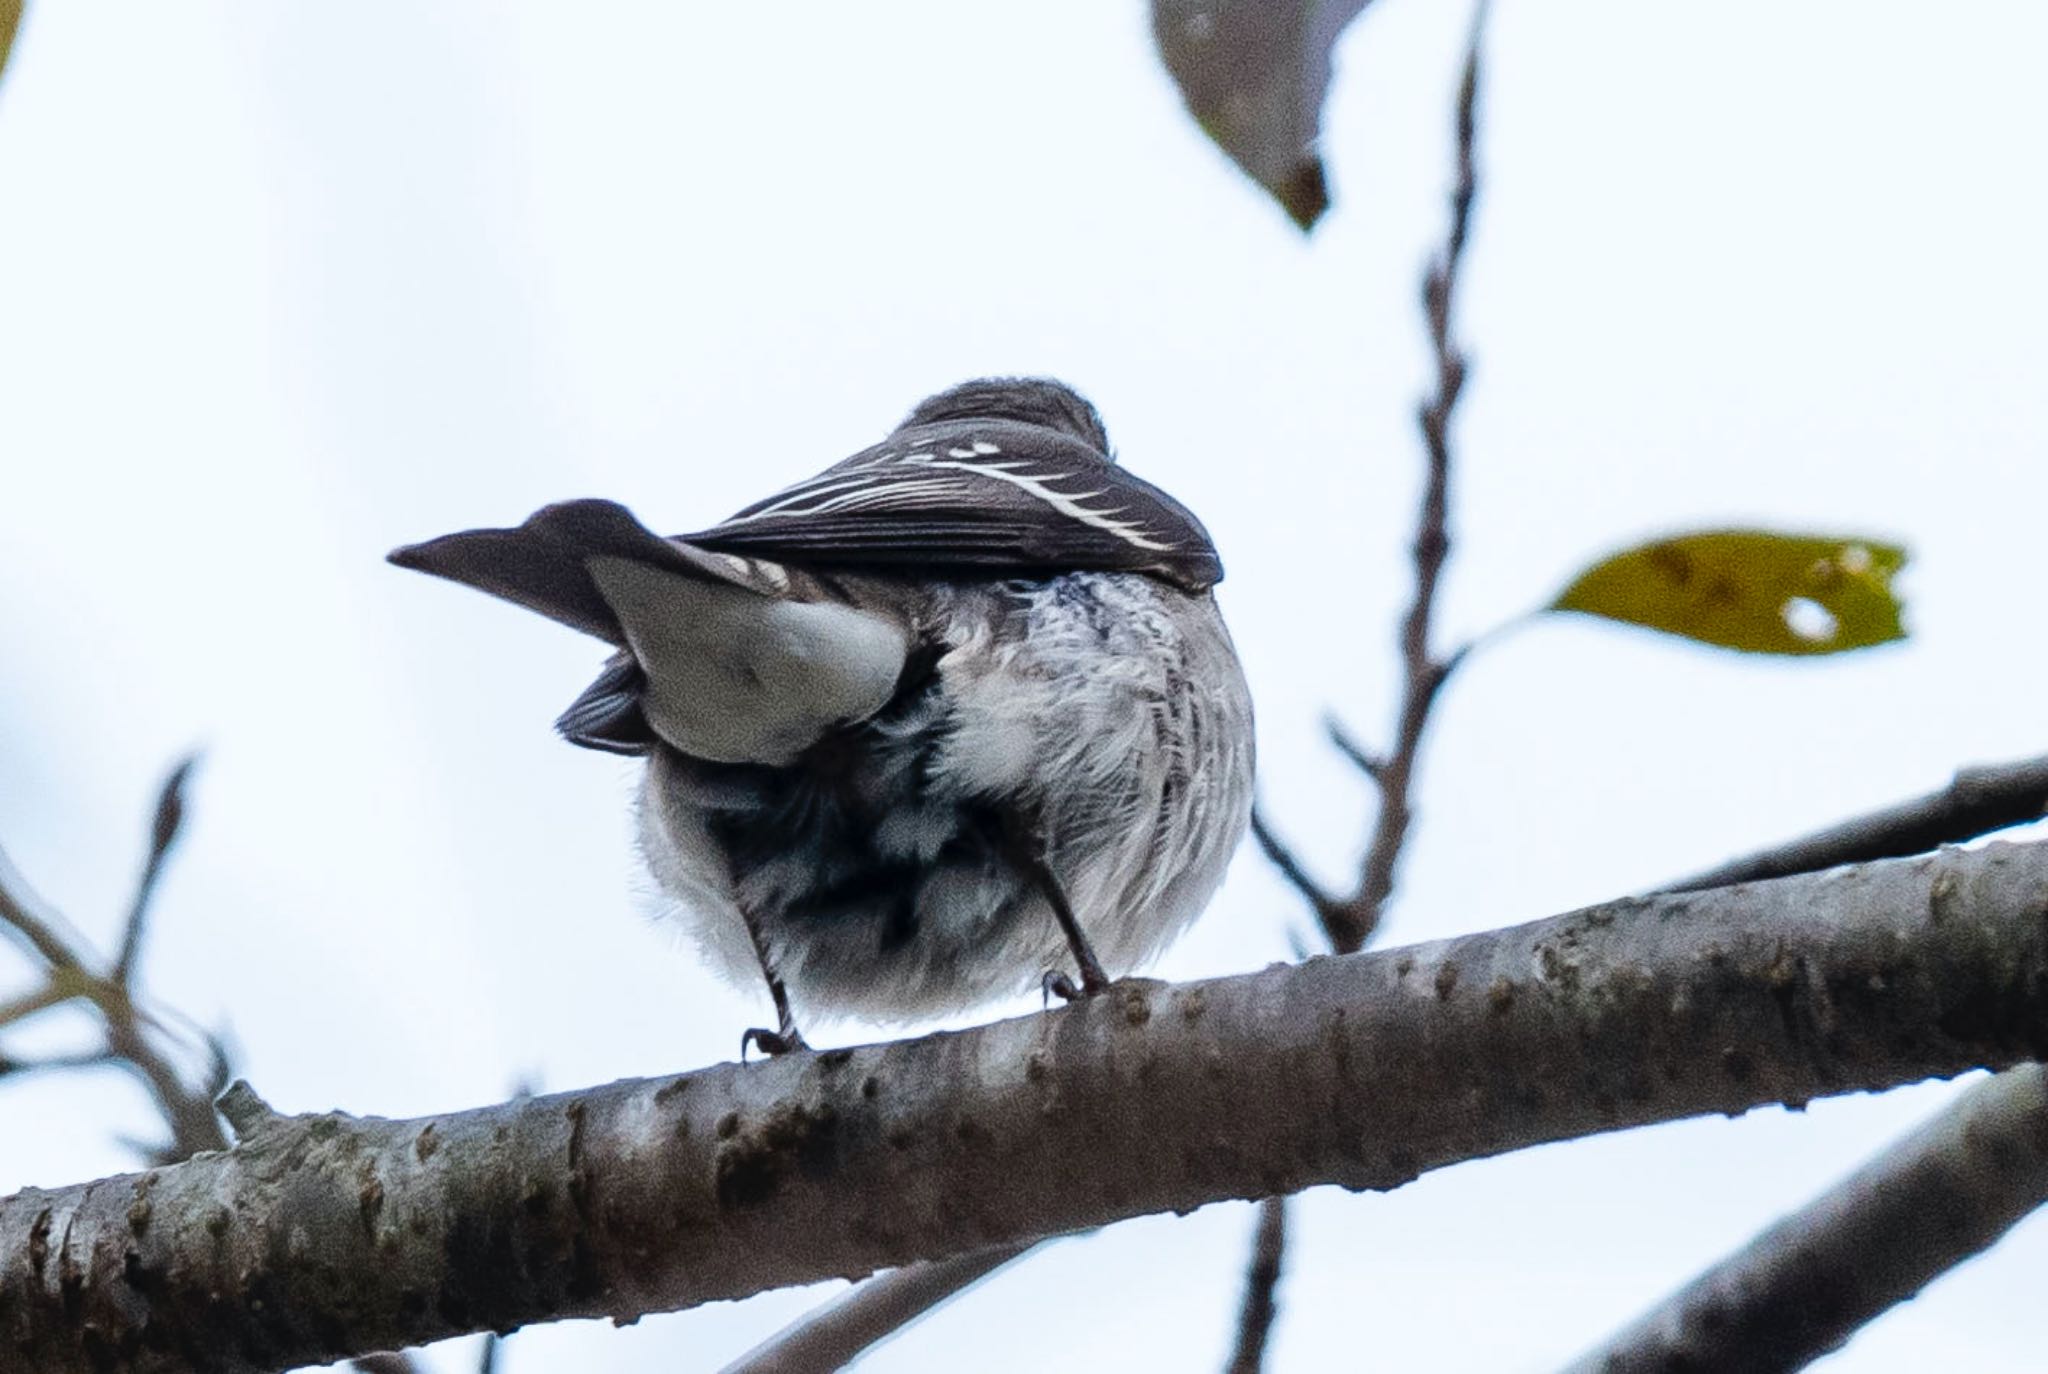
<point x="1253" y="73"/>
<point x="1758" y="591"/>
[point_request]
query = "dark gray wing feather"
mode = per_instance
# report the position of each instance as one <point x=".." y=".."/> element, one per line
<point x="544" y="564"/>
<point x="981" y="497"/>
<point x="608" y="715"/>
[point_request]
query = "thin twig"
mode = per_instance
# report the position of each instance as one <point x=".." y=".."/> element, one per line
<point x="1976" y="802"/>
<point x="1349" y="923"/>
<point x="83" y="1059"/>
<point x="1291" y="868"/>
<point x="72" y="972"/>
<point x="1345" y="743"/>
<point x="834" y="1335"/>
<point x="59" y="989"/>
<point x="29" y="920"/>
<point x="1352" y="922"/>
<point x="1261" y="1283"/>
<point x="163" y="833"/>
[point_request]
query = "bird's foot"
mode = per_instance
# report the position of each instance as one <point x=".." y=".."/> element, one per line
<point x="771" y="1042"/>
<point x="1057" y="984"/>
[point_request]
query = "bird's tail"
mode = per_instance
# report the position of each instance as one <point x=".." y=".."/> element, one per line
<point x="545" y="563"/>
<point x="717" y="658"/>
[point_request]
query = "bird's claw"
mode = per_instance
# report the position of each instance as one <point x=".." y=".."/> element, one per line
<point x="1057" y="984"/>
<point x="770" y="1043"/>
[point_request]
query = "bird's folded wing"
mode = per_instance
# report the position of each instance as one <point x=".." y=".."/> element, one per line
<point x="976" y="497"/>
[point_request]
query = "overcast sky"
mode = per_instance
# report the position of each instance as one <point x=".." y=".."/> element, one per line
<point x="282" y="286"/>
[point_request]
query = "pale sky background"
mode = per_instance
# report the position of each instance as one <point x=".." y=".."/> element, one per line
<point x="282" y="286"/>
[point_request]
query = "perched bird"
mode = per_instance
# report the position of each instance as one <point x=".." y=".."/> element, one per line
<point x="922" y="726"/>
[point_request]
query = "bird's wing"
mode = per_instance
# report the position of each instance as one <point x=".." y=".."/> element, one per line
<point x="977" y="497"/>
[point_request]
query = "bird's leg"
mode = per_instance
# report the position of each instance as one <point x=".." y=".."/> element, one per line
<point x="1028" y="851"/>
<point x="785" y="1037"/>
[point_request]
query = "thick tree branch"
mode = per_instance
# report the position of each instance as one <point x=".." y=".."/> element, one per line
<point x="1802" y="1288"/>
<point x="133" y="1040"/>
<point x="321" y="1237"/>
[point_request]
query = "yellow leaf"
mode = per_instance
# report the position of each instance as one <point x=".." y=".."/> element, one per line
<point x="1754" y="590"/>
<point x="10" y="19"/>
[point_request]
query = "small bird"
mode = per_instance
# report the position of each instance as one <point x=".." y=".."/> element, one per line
<point x="917" y="729"/>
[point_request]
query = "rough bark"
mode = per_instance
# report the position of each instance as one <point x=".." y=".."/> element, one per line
<point x="321" y="1237"/>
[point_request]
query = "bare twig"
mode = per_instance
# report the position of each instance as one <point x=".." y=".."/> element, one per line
<point x="1802" y="1288"/>
<point x="54" y="1063"/>
<point x="1976" y="802"/>
<point x="132" y="1039"/>
<point x="1350" y="922"/>
<point x="1345" y="743"/>
<point x="1283" y="858"/>
<point x="834" y="1335"/>
<point x="27" y="918"/>
<point x="163" y="833"/>
<point x="1261" y="1283"/>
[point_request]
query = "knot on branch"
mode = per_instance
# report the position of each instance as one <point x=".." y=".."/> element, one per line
<point x="246" y="1111"/>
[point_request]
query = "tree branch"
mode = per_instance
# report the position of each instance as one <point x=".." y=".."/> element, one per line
<point x="1363" y="1071"/>
<point x="1802" y="1288"/>
<point x="72" y="973"/>
<point x="1976" y="802"/>
<point x="1350" y="921"/>
<point x="1261" y="1283"/>
<point x="1290" y="867"/>
<point x="127" y="1039"/>
<point x="163" y="833"/>
<point x="33" y="926"/>
<point x="1929" y="1202"/>
<point x="834" y="1335"/>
